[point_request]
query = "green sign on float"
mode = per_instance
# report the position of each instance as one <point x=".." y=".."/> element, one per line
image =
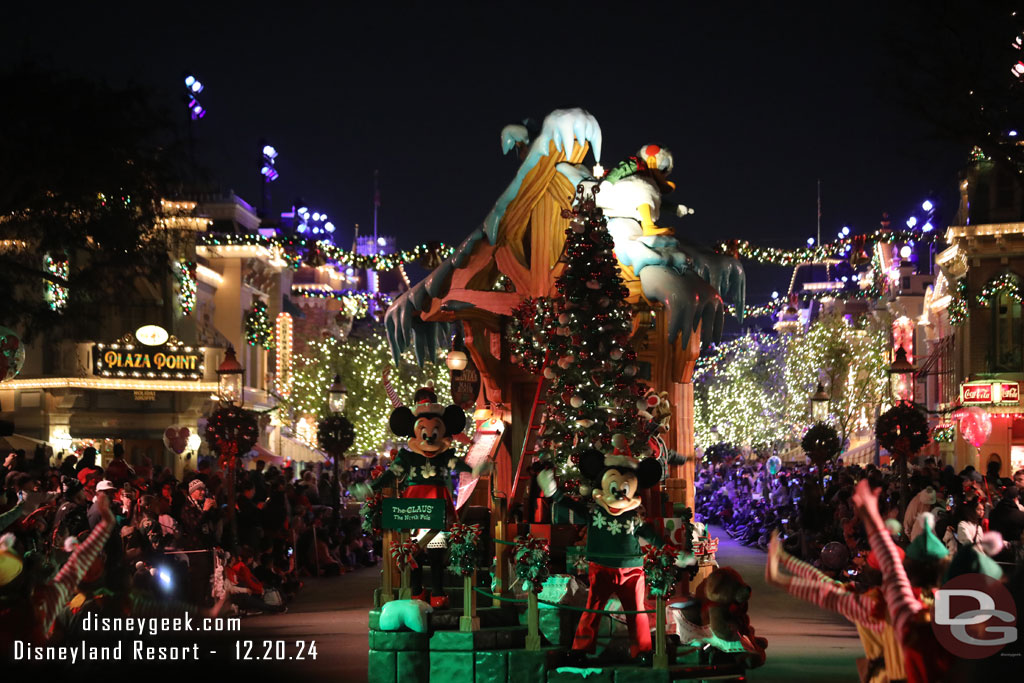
<point x="413" y="513"/>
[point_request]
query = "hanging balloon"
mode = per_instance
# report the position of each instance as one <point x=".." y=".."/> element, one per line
<point x="12" y="354"/>
<point x="975" y="426"/>
<point x="176" y="438"/>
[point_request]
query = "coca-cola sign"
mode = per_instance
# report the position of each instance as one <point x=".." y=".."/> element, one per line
<point x="988" y="393"/>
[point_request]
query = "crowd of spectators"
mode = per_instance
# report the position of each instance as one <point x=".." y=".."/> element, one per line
<point x="850" y="539"/>
<point x="80" y="537"/>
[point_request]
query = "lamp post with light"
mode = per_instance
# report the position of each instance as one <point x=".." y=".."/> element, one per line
<point x="231" y="430"/>
<point x="336" y="433"/>
<point x="819" y="404"/>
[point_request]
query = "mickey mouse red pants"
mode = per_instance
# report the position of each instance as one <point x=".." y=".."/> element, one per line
<point x="628" y="583"/>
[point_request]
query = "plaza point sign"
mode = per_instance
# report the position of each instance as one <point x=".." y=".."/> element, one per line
<point x="990" y="392"/>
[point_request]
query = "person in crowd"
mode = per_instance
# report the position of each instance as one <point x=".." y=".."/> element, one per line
<point x="118" y="471"/>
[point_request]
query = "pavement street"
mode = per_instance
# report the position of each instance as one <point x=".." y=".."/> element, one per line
<point x="804" y="643"/>
<point x="331" y="611"/>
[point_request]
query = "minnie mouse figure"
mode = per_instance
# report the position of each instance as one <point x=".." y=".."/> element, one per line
<point x="615" y="525"/>
<point x="425" y="466"/>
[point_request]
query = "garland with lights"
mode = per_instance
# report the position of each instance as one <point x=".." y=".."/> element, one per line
<point x="958" y="309"/>
<point x="532" y="558"/>
<point x="56" y="294"/>
<point x="1006" y="283"/>
<point x="231" y="431"/>
<point x="902" y="430"/>
<point x="464" y="548"/>
<point x="944" y="433"/>
<point x="839" y="249"/>
<point x="355" y="303"/>
<point x="821" y="443"/>
<point x="185" y="274"/>
<point x="258" y="331"/>
<point x="292" y="246"/>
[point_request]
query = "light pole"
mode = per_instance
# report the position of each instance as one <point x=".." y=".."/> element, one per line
<point x="235" y="428"/>
<point x="336" y="433"/>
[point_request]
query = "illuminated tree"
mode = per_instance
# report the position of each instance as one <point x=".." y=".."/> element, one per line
<point x="850" y="359"/>
<point x="584" y="334"/>
<point x="740" y="393"/>
<point x="360" y="360"/>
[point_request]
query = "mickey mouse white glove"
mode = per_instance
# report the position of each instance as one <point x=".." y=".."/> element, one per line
<point x="548" y="485"/>
<point x="685" y="560"/>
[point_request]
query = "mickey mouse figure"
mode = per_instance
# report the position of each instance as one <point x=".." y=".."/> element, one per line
<point x="425" y="465"/>
<point x="615" y="526"/>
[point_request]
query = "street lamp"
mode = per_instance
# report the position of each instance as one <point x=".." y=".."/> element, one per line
<point x="819" y="404"/>
<point x="338" y="396"/>
<point x="229" y="378"/>
<point x="901" y="376"/>
<point x="457" y="360"/>
<point x="336" y="434"/>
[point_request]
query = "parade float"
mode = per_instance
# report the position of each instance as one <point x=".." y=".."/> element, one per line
<point x="582" y="318"/>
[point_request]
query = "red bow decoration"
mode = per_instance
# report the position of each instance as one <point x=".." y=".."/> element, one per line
<point x="404" y="554"/>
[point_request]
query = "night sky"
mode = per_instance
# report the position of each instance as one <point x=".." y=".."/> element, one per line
<point x="757" y="104"/>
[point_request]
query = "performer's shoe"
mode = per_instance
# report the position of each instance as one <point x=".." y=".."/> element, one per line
<point x="575" y="658"/>
<point x="439" y="601"/>
<point x="645" y="658"/>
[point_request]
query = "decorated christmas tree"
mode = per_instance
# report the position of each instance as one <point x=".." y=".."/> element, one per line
<point x="579" y="340"/>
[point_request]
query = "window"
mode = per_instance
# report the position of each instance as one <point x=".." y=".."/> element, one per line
<point x="1006" y="334"/>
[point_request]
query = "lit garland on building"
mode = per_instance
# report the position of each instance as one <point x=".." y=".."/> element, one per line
<point x="185" y="273"/>
<point x="360" y="361"/>
<point x="56" y="294"/>
<point x="355" y="303"/>
<point x="292" y="246"/>
<point x="839" y="249"/>
<point x="1006" y="283"/>
<point x="283" y="338"/>
<point x="257" y="326"/>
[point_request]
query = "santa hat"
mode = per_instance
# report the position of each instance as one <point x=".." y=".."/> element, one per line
<point x="621" y="457"/>
<point x="425" y="402"/>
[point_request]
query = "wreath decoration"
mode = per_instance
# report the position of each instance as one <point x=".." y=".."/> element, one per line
<point x="903" y="429"/>
<point x="821" y="443"/>
<point x="336" y="434"/>
<point x="232" y="430"/>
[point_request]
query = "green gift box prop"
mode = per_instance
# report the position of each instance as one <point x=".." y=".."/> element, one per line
<point x="490" y="667"/>
<point x="382" y="667"/>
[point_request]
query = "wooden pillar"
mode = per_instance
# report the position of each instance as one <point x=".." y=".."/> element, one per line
<point x="499" y="514"/>
<point x="469" y="621"/>
<point x="532" y="622"/>
<point x="660" y="651"/>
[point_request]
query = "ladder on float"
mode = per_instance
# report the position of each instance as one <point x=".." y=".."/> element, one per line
<point x="521" y="481"/>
